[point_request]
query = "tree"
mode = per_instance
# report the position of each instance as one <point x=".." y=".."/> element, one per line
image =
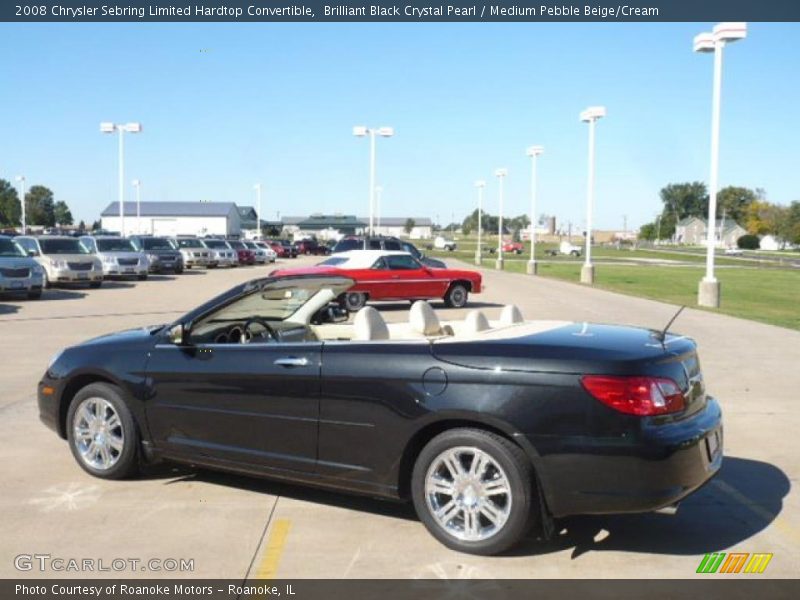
<point x="82" y="226"/>
<point x="39" y="206"/>
<point x="96" y="225"/>
<point x="409" y="226"/>
<point x="647" y="231"/>
<point x="10" y="207"/>
<point x="733" y="201"/>
<point x="748" y="242"/>
<point x="761" y="218"/>
<point x="62" y="214"/>
<point x="788" y="228"/>
<point x="683" y="200"/>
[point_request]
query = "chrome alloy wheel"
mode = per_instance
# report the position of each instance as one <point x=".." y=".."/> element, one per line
<point x="97" y="433"/>
<point x="468" y="493"/>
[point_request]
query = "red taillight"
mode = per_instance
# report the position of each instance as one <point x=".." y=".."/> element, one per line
<point x="642" y="396"/>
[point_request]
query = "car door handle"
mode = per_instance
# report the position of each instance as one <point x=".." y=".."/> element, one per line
<point x="291" y="361"/>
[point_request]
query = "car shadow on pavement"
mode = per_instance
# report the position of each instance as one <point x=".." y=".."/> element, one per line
<point x="109" y="284"/>
<point x="744" y="498"/>
<point x="8" y="309"/>
<point x="61" y="294"/>
<point x="175" y="475"/>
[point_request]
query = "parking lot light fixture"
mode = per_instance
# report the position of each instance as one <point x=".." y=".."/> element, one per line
<point x="590" y="116"/>
<point x="21" y="181"/>
<point x="708" y="293"/>
<point x="533" y="152"/>
<point x="363" y="131"/>
<point x="121" y="129"/>
<point x="137" y="184"/>
<point x="478" y="253"/>
<point x="257" y="188"/>
<point x="501" y="174"/>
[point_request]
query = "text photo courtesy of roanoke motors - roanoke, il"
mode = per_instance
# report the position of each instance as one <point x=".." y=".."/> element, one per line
<point x="400" y="300"/>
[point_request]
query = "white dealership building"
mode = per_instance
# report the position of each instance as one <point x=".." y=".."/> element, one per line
<point x="175" y="218"/>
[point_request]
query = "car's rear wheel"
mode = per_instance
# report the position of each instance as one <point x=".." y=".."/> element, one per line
<point x="101" y="432"/>
<point x="178" y="270"/>
<point x="142" y="277"/>
<point x="456" y="296"/>
<point x="355" y="301"/>
<point x="473" y="490"/>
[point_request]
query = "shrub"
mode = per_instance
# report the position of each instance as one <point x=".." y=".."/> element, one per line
<point x="748" y="242"/>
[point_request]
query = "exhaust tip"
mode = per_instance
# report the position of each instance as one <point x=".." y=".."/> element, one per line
<point x="668" y="510"/>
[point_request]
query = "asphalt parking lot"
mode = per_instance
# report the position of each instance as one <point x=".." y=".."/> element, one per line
<point x="236" y="527"/>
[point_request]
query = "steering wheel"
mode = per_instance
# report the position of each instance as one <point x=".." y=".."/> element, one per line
<point x="248" y="336"/>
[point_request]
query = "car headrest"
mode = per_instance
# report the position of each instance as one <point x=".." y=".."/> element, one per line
<point x="511" y="315"/>
<point x="369" y="325"/>
<point x="476" y="321"/>
<point x="423" y="319"/>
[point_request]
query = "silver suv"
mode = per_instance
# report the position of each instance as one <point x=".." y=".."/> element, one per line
<point x="195" y="253"/>
<point x="64" y="259"/>
<point x="119" y="256"/>
<point x="19" y="273"/>
<point x="223" y="253"/>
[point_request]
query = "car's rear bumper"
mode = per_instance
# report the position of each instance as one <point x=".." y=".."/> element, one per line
<point x="663" y="465"/>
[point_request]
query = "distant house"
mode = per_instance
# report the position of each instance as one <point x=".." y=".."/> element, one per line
<point x="692" y="232"/>
<point x="174" y="218"/>
<point x="396" y="226"/>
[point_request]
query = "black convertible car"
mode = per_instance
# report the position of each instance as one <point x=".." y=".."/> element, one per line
<point x="491" y="427"/>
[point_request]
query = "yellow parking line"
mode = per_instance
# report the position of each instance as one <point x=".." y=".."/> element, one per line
<point x="774" y="520"/>
<point x="268" y="566"/>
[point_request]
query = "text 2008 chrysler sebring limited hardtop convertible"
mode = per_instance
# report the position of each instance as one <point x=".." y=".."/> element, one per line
<point x="491" y="427"/>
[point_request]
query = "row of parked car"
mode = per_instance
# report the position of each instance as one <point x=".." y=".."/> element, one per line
<point x="30" y="263"/>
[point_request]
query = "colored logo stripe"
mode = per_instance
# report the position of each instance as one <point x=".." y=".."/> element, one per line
<point x="734" y="563"/>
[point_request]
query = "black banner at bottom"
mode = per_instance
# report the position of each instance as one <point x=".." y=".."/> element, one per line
<point x="393" y="589"/>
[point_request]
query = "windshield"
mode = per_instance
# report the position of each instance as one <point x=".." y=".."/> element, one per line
<point x="10" y="248"/>
<point x="251" y="245"/>
<point x="216" y="244"/>
<point x="190" y="243"/>
<point x="62" y="246"/>
<point x="156" y="244"/>
<point x="411" y="249"/>
<point x="237" y="245"/>
<point x="115" y="245"/>
<point x="345" y="245"/>
<point x="333" y="261"/>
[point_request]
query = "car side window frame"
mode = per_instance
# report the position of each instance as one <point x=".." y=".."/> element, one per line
<point x="397" y="260"/>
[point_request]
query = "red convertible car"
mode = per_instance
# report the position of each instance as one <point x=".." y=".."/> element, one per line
<point x="387" y="275"/>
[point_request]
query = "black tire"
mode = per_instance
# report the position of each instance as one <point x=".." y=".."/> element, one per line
<point x="524" y="510"/>
<point x="142" y="277"/>
<point x="95" y="284"/>
<point x="355" y="301"/>
<point x="457" y="296"/>
<point x="35" y="295"/>
<point x="127" y="463"/>
<point x="46" y="280"/>
<point x="178" y="270"/>
<point x="188" y="266"/>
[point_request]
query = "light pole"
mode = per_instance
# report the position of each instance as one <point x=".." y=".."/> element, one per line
<point x="378" y="195"/>
<point x="590" y="116"/>
<point x="121" y="128"/>
<point x="533" y="152"/>
<point x="257" y="188"/>
<point x="709" y="289"/>
<point x="362" y="131"/>
<point x="501" y="175"/>
<point x="21" y="180"/>
<point x="137" y="184"/>
<point x="480" y="185"/>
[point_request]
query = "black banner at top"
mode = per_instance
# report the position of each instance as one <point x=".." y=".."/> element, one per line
<point x="402" y="11"/>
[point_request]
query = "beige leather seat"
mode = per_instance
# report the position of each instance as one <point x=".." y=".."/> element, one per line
<point x="369" y="325"/>
<point x="423" y="320"/>
<point x="475" y="322"/>
<point x="511" y="315"/>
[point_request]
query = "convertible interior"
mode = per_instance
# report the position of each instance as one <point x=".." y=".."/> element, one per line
<point x="303" y="310"/>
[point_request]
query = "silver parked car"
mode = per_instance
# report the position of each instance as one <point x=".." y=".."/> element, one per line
<point x="19" y="273"/>
<point x="261" y="254"/>
<point x="195" y="253"/>
<point x="64" y="259"/>
<point x="223" y="253"/>
<point x="119" y="256"/>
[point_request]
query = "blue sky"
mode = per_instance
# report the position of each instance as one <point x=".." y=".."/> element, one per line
<point x="276" y="104"/>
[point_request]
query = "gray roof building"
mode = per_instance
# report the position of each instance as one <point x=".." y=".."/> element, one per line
<point x="172" y="209"/>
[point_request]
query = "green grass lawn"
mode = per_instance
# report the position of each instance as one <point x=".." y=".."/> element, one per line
<point x="766" y="295"/>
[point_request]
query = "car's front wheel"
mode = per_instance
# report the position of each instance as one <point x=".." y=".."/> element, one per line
<point x="101" y="432"/>
<point x="355" y="301"/>
<point x="473" y="490"/>
<point x="456" y="296"/>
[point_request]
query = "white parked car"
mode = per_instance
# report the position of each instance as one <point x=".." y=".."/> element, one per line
<point x="442" y="243"/>
<point x="271" y="254"/>
<point x="733" y="251"/>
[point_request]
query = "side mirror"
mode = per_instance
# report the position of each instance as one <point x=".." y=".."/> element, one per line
<point x="31" y="252"/>
<point x="177" y="334"/>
